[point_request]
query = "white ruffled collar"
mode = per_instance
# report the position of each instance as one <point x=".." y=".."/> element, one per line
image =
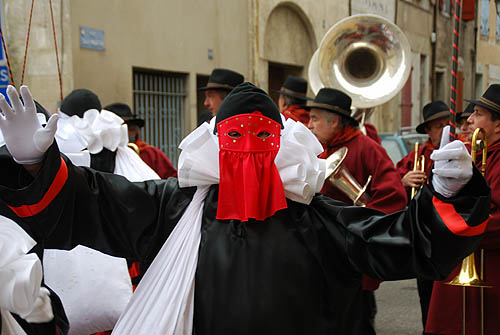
<point x="100" y="130"/>
<point x="301" y="171"/>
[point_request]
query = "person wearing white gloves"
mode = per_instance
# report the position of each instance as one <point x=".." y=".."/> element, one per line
<point x="445" y="312"/>
<point x="242" y="243"/>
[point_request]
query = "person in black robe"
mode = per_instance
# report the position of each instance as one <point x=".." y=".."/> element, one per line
<point x="266" y="264"/>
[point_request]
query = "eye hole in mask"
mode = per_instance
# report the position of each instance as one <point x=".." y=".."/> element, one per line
<point x="263" y="134"/>
<point x="234" y="134"/>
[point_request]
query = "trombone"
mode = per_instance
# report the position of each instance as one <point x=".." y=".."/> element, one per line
<point x="468" y="276"/>
<point x="418" y="165"/>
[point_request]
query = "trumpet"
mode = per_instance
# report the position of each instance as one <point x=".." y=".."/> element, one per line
<point x="418" y="165"/>
<point x="468" y="276"/>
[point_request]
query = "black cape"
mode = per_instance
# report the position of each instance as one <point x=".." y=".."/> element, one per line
<point x="297" y="272"/>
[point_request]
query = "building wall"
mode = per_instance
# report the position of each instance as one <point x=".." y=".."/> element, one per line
<point x="41" y="73"/>
<point x="244" y="35"/>
<point x="488" y="48"/>
<point x="172" y="36"/>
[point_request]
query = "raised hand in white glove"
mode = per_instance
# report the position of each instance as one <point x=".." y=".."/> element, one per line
<point x="452" y="166"/>
<point x="25" y="138"/>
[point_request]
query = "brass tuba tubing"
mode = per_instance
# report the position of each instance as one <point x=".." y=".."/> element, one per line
<point x="468" y="276"/>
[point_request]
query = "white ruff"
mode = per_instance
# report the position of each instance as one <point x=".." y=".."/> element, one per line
<point x="163" y="303"/>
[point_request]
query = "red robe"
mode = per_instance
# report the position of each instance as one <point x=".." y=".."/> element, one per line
<point x="372" y="133"/>
<point x="156" y="159"/>
<point x="296" y="113"/>
<point x="365" y="157"/>
<point x="445" y="310"/>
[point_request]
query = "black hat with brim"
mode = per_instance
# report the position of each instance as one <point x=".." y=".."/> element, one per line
<point x="332" y="100"/>
<point x="124" y="111"/>
<point x="223" y="79"/>
<point x="490" y="99"/>
<point x="432" y="111"/>
<point x="294" y="87"/>
<point x="247" y="99"/>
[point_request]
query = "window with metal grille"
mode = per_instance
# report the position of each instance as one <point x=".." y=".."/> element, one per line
<point x="159" y="100"/>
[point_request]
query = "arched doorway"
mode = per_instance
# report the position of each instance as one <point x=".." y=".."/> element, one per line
<point x="289" y="43"/>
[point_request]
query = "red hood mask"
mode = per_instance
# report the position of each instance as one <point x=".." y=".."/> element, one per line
<point x="250" y="185"/>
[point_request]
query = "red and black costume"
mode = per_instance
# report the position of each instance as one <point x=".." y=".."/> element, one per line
<point x="297" y="271"/>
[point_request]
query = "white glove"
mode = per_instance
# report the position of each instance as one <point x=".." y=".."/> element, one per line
<point x="452" y="166"/>
<point x="25" y="138"/>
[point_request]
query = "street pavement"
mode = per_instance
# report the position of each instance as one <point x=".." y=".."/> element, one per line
<point x="398" y="308"/>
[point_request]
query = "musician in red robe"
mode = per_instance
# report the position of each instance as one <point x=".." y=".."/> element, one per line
<point x="436" y="117"/>
<point x="445" y="311"/>
<point x="292" y="98"/>
<point x="332" y="124"/>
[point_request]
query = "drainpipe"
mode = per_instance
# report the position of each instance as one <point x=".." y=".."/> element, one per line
<point x="433" y="49"/>
<point x="474" y="53"/>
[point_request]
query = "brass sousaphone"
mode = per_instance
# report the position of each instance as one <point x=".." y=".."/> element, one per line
<point x="367" y="57"/>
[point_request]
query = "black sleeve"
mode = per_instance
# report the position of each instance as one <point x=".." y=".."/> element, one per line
<point x="65" y="205"/>
<point x="428" y="239"/>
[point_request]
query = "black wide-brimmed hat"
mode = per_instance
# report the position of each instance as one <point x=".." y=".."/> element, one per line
<point x="247" y="99"/>
<point x="432" y="111"/>
<point x="223" y="79"/>
<point x="294" y="87"/>
<point x="332" y="100"/>
<point x="467" y="112"/>
<point x="124" y="111"/>
<point x="79" y="101"/>
<point x="490" y="99"/>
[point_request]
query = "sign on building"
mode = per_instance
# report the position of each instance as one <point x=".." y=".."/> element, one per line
<point x="4" y="72"/>
<point x="91" y="38"/>
<point x="385" y="8"/>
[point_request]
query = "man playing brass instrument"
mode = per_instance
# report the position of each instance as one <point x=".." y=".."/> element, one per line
<point x="445" y="311"/>
<point x="436" y="117"/>
<point x="331" y="122"/>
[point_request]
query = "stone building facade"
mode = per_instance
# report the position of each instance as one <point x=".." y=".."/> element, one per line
<point x="154" y="55"/>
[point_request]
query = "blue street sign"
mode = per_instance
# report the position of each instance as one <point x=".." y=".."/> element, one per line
<point x="4" y="75"/>
<point x="91" y="38"/>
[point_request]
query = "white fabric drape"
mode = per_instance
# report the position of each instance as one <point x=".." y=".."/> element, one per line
<point x="20" y="277"/>
<point x="163" y="303"/>
<point x="95" y="288"/>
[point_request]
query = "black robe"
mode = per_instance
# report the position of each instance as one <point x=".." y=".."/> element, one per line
<point x="297" y="272"/>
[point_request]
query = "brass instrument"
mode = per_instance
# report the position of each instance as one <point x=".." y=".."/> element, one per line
<point x="341" y="178"/>
<point x="418" y="165"/>
<point x="134" y="147"/>
<point x="468" y="276"/>
<point x="366" y="56"/>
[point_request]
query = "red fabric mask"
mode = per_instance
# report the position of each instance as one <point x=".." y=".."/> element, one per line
<point x="250" y="185"/>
